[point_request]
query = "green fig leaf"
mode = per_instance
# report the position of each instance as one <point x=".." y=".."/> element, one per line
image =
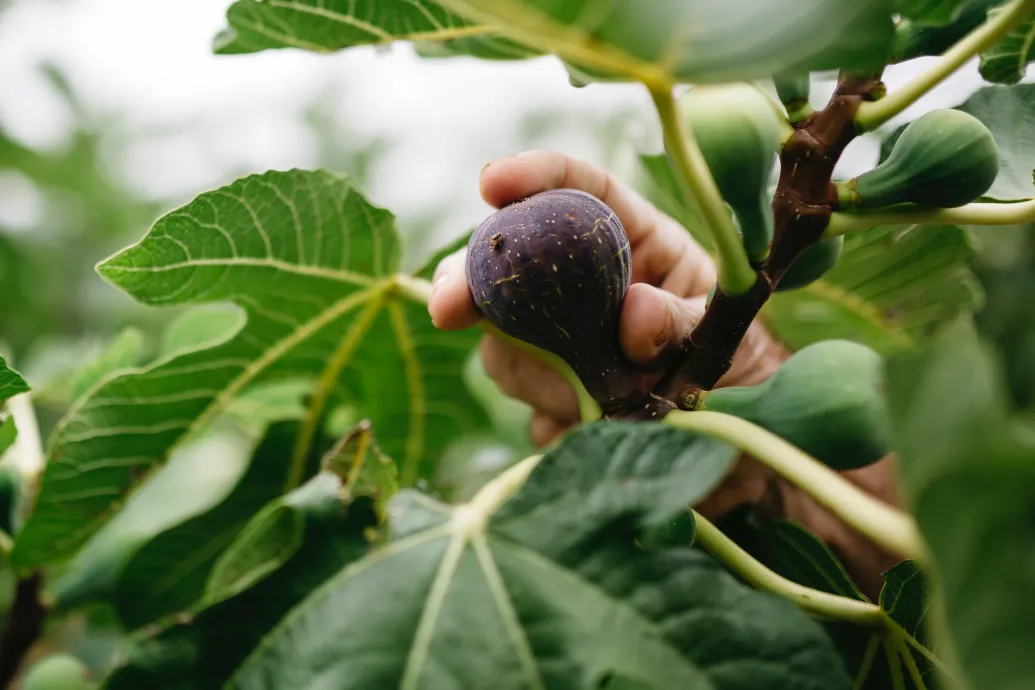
<point x="1009" y="113"/>
<point x="11" y="384"/>
<point x="199" y="648"/>
<point x="690" y="41"/>
<point x="1006" y="61"/>
<point x="891" y="288"/>
<point x="930" y="12"/>
<point x="564" y="555"/>
<point x="967" y="470"/>
<point x="314" y="266"/>
<point x="124" y="352"/>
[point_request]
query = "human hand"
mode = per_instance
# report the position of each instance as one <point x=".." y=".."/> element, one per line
<point x="671" y="276"/>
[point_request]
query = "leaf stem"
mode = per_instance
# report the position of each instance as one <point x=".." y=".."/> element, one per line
<point x="898" y="682"/>
<point x="1013" y="213"/>
<point x="419" y="290"/>
<point x="589" y="409"/>
<point x="867" y="662"/>
<point x="890" y="529"/>
<point x="822" y="604"/>
<point x="911" y="667"/>
<point x="873" y="114"/>
<point x="735" y="273"/>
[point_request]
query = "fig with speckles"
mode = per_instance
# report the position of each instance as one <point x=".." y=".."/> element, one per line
<point x="552" y="270"/>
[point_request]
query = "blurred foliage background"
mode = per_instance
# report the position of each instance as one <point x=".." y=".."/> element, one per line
<point x="120" y="141"/>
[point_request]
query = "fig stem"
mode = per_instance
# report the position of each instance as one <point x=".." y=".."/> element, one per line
<point x="782" y="121"/>
<point x="589" y="409"/>
<point x="819" y="603"/>
<point x="1015" y="213"/>
<point x="419" y="290"/>
<point x="735" y="273"/>
<point x="891" y="529"/>
<point x="875" y="113"/>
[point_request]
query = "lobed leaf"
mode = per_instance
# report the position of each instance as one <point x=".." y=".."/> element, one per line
<point x="1007" y="61"/>
<point x="930" y="12"/>
<point x="682" y="41"/>
<point x="311" y="263"/>
<point x="527" y="593"/>
<point x="329" y="25"/>
<point x="11" y="384"/>
<point x="197" y="649"/>
<point x="1009" y="113"/>
<point x="124" y="352"/>
<point x="891" y="288"/>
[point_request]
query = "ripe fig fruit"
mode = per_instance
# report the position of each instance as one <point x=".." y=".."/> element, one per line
<point x="827" y="399"/>
<point x="552" y="270"/>
<point x="946" y="158"/>
<point x="738" y="133"/>
<point x="811" y="264"/>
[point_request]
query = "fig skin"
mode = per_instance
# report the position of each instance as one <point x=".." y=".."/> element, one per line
<point x="552" y="270"/>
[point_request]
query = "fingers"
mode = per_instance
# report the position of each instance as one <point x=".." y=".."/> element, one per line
<point x="654" y="323"/>
<point x="664" y="254"/>
<point x="523" y="376"/>
<point x="451" y="306"/>
<point x="545" y="429"/>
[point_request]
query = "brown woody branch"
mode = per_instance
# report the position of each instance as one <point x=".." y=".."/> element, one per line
<point x="802" y="206"/>
<point x="23" y="626"/>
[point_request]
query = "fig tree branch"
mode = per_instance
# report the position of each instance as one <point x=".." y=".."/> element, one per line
<point x="890" y="529"/>
<point x="802" y="205"/>
<point x="842" y="223"/>
<point x="735" y="273"/>
<point x="874" y="114"/>
<point x="818" y="603"/>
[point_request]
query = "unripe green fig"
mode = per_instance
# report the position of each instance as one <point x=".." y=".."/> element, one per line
<point x="793" y="90"/>
<point x="811" y="264"/>
<point x="946" y="158"/>
<point x="827" y="399"/>
<point x="552" y="270"/>
<point x="58" y="672"/>
<point x="736" y="128"/>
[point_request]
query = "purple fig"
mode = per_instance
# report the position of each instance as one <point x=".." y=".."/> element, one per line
<point x="552" y="270"/>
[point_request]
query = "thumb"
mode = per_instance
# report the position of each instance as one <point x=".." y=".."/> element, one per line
<point x="655" y="322"/>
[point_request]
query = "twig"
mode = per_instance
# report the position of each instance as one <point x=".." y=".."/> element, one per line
<point x="873" y="115"/>
<point x="972" y="214"/>
<point x="23" y="626"/>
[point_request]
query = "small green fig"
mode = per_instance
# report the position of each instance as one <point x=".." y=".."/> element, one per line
<point x="553" y="270"/>
<point x="736" y="128"/>
<point x="827" y="399"/>
<point x="946" y="158"/>
<point x="58" y="672"/>
<point x="811" y="264"/>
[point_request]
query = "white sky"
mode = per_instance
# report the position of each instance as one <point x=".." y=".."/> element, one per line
<point x="151" y="63"/>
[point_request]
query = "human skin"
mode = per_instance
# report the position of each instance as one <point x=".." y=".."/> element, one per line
<point x="671" y="276"/>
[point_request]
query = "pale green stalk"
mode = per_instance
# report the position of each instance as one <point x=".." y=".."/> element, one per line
<point x="891" y="529"/>
<point x="735" y="273"/>
<point x="971" y="214"/>
<point x="873" y="114"/>
<point x="821" y="604"/>
<point x="419" y="290"/>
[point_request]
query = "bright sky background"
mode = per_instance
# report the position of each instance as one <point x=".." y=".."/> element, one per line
<point x="151" y="64"/>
